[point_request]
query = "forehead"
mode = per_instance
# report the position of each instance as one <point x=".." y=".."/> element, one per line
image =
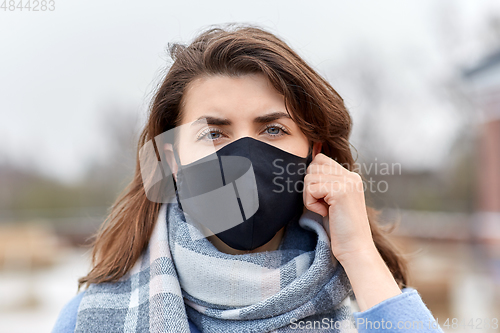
<point x="243" y="96"/>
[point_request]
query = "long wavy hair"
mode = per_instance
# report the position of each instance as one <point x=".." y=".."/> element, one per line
<point x="231" y="50"/>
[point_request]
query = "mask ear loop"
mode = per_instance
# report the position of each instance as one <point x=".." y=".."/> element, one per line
<point x="179" y="167"/>
<point x="176" y="157"/>
<point x="309" y="155"/>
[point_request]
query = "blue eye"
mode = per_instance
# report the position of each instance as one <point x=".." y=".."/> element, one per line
<point x="210" y="134"/>
<point x="275" y="130"/>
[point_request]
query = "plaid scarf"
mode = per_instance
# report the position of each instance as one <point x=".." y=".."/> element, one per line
<point x="181" y="274"/>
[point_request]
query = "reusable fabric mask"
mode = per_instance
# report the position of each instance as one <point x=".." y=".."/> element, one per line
<point x="244" y="193"/>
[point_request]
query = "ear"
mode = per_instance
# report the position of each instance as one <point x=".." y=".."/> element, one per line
<point x="169" y="156"/>
<point x="317" y="148"/>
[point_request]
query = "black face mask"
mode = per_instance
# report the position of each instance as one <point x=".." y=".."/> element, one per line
<point x="244" y="193"/>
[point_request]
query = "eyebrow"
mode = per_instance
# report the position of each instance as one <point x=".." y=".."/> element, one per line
<point x="224" y="121"/>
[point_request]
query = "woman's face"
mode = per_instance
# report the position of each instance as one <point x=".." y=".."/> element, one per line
<point x="220" y="109"/>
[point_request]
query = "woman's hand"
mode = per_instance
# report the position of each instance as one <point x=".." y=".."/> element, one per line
<point x="337" y="194"/>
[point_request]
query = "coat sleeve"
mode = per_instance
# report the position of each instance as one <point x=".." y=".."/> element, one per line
<point x="405" y="312"/>
<point x="66" y="321"/>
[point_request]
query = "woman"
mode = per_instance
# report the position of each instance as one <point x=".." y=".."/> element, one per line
<point x="306" y="253"/>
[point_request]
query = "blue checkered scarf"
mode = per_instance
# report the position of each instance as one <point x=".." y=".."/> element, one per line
<point x="181" y="274"/>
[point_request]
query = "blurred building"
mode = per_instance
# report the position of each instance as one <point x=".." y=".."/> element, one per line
<point x="484" y="79"/>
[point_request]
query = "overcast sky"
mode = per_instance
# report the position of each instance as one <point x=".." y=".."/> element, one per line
<point x="59" y="70"/>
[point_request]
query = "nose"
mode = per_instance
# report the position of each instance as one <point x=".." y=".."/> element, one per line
<point x="238" y="137"/>
<point x="245" y="129"/>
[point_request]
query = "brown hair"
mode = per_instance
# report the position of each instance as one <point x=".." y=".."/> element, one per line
<point x="235" y="50"/>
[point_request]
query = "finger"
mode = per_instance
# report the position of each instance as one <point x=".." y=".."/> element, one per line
<point x="327" y="170"/>
<point x="345" y="183"/>
<point x="323" y="161"/>
<point x="314" y="198"/>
